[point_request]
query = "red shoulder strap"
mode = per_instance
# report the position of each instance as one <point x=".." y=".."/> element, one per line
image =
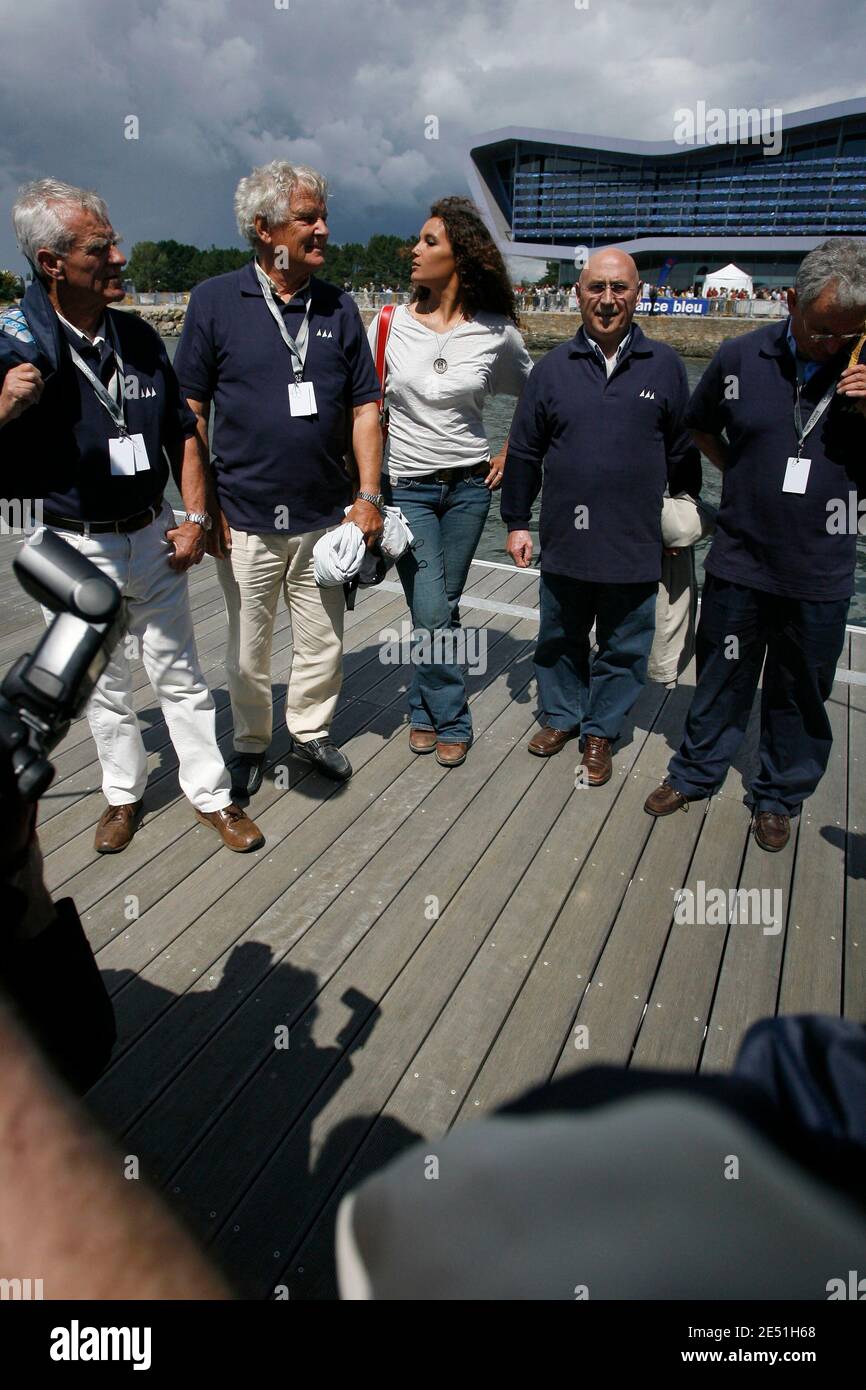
<point x="384" y="328"/>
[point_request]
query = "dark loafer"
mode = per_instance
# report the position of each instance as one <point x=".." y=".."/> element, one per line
<point x="451" y="754"/>
<point x="772" y="831"/>
<point x="549" y="741"/>
<point x="665" y="800"/>
<point x="116" y="827"/>
<point x="325" y="757"/>
<point x="422" y="740"/>
<point x="247" y="772"/>
<point x="234" y="827"/>
<point x="597" y="760"/>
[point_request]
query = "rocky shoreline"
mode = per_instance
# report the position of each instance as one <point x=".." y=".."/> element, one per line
<point x="698" y="337"/>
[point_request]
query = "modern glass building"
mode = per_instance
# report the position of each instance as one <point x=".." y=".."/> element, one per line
<point x="697" y="204"/>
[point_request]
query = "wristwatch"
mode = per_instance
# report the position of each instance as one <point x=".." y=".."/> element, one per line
<point x="375" y="498"/>
<point x="201" y="519"/>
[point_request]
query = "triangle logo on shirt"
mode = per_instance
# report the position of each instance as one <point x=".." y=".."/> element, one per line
<point x="324" y="333"/>
<point x="647" y="394"/>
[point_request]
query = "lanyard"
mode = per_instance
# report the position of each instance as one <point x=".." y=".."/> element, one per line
<point x="113" y="402"/>
<point x="813" y="419"/>
<point x="297" y="347"/>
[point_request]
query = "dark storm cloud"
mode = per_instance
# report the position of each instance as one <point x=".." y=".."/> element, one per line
<point x="346" y="86"/>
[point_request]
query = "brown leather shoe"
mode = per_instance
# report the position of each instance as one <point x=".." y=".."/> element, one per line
<point x="549" y="741"/>
<point x="772" y="831"/>
<point x="237" y="830"/>
<point x="116" y="827"/>
<point x="597" y="760"/>
<point x="451" y="754"/>
<point x="422" y="740"/>
<point x="665" y="800"/>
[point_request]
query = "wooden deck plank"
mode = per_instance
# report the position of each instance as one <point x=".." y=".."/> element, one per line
<point x="675" y="1023"/>
<point x="609" y="1014"/>
<point x="815" y="938"/>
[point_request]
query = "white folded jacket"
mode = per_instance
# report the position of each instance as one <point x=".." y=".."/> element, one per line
<point x="337" y="555"/>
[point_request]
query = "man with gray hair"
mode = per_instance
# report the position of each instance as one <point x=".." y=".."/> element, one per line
<point x="284" y="359"/>
<point x="89" y="411"/>
<point x="791" y="400"/>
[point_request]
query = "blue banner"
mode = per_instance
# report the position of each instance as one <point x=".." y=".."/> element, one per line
<point x="665" y="304"/>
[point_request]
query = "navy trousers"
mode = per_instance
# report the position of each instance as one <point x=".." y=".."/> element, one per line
<point x="801" y="642"/>
<point x="573" y="694"/>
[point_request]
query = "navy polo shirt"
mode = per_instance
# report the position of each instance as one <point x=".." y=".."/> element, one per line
<point x="231" y="352"/>
<point x="766" y="538"/>
<point x="609" y="445"/>
<point x="58" y="449"/>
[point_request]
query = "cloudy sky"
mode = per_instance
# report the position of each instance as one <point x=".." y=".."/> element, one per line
<point x="346" y="85"/>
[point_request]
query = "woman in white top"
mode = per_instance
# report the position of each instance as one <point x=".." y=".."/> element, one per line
<point x="452" y="346"/>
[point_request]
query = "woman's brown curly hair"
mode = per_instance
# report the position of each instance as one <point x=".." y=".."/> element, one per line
<point x="484" y="282"/>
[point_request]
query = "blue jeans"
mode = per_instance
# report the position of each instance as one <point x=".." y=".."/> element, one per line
<point x="802" y="642"/>
<point x="447" y="520"/>
<point x="572" y="694"/>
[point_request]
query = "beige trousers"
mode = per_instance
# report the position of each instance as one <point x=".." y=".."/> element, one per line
<point x="260" y="568"/>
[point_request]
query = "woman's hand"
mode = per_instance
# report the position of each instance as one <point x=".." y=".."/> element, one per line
<point x="497" y="468"/>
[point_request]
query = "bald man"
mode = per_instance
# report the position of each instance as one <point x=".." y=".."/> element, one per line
<point x="599" y="431"/>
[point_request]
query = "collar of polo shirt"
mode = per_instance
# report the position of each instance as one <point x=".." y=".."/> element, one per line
<point x="276" y="289"/>
<point x="98" y="338"/>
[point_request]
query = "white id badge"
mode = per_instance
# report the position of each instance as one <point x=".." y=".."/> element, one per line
<point x="142" y="462"/>
<point x="302" y="398"/>
<point x="796" y="475"/>
<point x="121" y="453"/>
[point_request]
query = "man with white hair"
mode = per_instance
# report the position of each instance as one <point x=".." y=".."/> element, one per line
<point x="89" y="410"/>
<point x="284" y="358"/>
<point x="791" y="400"/>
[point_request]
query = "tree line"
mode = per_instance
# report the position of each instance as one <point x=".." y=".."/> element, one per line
<point x="174" y="266"/>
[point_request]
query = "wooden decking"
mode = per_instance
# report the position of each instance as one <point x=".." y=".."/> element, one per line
<point x="431" y="940"/>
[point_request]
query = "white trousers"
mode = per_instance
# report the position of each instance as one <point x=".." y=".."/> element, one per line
<point x="259" y="569"/>
<point x="160" y="632"/>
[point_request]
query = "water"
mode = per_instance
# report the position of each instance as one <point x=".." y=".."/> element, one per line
<point x="497" y="421"/>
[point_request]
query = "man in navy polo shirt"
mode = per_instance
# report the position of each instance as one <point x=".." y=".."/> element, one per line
<point x="780" y="572"/>
<point x="601" y="421"/>
<point x="284" y="358"/>
<point x="89" y="409"/>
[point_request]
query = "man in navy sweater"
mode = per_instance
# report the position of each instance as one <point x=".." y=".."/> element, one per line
<point x="91" y="418"/>
<point x="599" y="429"/>
<point x="780" y="572"/>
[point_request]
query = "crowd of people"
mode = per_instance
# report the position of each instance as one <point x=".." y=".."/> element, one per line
<point x="300" y="397"/>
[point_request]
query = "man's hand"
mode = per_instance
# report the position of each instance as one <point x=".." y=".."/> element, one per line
<point x="852" y="383"/>
<point x="188" y="542"/>
<point x="22" y="387"/>
<point x="519" y="547"/>
<point x="368" y="519"/>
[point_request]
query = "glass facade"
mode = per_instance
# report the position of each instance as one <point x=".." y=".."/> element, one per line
<point x="563" y="195"/>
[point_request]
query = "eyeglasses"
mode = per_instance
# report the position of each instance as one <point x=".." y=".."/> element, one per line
<point x="834" y="337"/>
<point x="617" y="288"/>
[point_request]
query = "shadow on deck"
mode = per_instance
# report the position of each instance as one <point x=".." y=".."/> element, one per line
<point x="416" y="947"/>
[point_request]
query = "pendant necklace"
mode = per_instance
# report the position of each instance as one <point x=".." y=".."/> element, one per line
<point x="440" y="363"/>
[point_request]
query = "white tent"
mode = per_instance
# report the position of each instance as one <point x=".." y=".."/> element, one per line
<point x="730" y="277"/>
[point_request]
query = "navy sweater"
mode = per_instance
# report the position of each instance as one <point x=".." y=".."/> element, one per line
<point x="602" y="450"/>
